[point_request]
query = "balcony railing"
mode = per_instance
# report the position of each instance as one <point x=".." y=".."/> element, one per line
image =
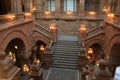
<point x="69" y="15"/>
<point x="14" y="17"/>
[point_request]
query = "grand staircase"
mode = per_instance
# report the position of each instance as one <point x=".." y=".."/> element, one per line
<point x="65" y="54"/>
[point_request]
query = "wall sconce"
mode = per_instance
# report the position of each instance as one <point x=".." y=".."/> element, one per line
<point x="11" y="17"/>
<point x="27" y="15"/>
<point x="25" y="68"/>
<point x="110" y="17"/>
<point x="42" y="48"/>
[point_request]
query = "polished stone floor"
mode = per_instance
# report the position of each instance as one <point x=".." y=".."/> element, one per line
<point x="62" y="74"/>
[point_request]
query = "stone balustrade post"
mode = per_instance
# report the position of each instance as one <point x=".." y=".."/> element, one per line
<point x="53" y="32"/>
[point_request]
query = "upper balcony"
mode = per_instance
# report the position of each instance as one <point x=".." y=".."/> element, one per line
<point x="14" y="18"/>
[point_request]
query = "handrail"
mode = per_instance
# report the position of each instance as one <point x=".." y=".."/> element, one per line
<point x="94" y="32"/>
<point x="43" y="30"/>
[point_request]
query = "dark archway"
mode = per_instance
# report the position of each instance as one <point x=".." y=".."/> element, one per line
<point x="16" y="50"/>
<point x="98" y="52"/>
<point x="36" y="52"/>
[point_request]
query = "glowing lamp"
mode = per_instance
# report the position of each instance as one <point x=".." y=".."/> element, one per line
<point x="25" y="68"/>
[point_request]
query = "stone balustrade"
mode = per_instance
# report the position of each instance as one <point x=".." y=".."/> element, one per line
<point x="14" y="17"/>
<point x="69" y="14"/>
<point x="94" y="32"/>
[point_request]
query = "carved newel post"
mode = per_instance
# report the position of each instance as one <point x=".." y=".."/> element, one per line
<point x="36" y="72"/>
<point x="82" y="54"/>
<point x="53" y="32"/>
<point x="48" y="57"/>
<point x="7" y="69"/>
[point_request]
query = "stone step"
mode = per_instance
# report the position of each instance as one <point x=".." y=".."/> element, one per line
<point x="66" y="54"/>
<point x="65" y="61"/>
<point x="64" y="66"/>
<point x="63" y="56"/>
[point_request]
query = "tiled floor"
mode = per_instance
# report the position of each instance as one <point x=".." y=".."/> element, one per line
<point x="62" y="74"/>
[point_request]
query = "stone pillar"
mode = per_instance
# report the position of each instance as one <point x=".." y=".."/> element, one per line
<point x="118" y="6"/>
<point x="109" y="5"/>
<point x="28" y="5"/>
<point x="38" y="5"/>
<point x="102" y="5"/>
<point x="57" y="7"/>
<point x="82" y="5"/>
<point x="16" y="6"/>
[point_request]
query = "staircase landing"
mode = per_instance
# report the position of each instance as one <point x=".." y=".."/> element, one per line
<point x="68" y="38"/>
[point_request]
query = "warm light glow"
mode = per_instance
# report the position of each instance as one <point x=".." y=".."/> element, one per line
<point x="27" y="14"/>
<point x="25" y="68"/>
<point x="69" y="12"/>
<point x="88" y="57"/>
<point x="111" y="15"/>
<point x="16" y="47"/>
<point x="42" y="48"/>
<point x="52" y="26"/>
<point x="47" y="12"/>
<point x="12" y="56"/>
<point x="105" y="9"/>
<point x="38" y="61"/>
<point x="82" y="28"/>
<point x="34" y="8"/>
<point x="90" y="51"/>
<point x="92" y="13"/>
<point x="97" y="63"/>
<point x="11" y="16"/>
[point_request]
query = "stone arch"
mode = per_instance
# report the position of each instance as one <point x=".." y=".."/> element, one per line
<point x="114" y="41"/>
<point x="10" y="35"/>
<point x="16" y="51"/>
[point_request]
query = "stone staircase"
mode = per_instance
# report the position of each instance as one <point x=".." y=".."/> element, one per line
<point x="65" y="54"/>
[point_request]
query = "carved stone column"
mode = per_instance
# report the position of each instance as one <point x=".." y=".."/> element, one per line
<point x="82" y="5"/>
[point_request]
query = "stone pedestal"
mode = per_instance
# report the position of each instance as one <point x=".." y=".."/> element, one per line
<point x="7" y="69"/>
<point x="36" y="72"/>
<point x="82" y="58"/>
<point x="47" y="61"/>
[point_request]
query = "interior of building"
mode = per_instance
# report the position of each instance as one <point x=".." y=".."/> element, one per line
<point x="59" y="39"/>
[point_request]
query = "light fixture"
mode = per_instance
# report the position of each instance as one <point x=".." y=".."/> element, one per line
<point x="90" y="51"/>
<point x="16" y="47"/>
<point x="25" y="68"/>
<point x="110" y="17"/>
<point x="47" y="12"/>
<point x="27" y="14"/>
<point x="42" y="48"/>
<point x="11" y="16"/>
<point x="82" y="28"/>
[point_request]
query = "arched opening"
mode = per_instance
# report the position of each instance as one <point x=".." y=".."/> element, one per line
<point x="5" y="6"/>
<point x="97" y="52"/>
<point x="16" y="51"/>
<point x="115" y="56"/>
<point x="38" y="51"/>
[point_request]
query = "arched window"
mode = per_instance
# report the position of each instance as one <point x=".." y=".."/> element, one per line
<point x="69" y="5"/>
<point x="51" y="5"/>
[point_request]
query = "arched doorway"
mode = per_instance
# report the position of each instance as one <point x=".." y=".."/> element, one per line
<point x="38" y="51"/>
<point x="16" y="51"/>
<point x="97" y="52"/>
